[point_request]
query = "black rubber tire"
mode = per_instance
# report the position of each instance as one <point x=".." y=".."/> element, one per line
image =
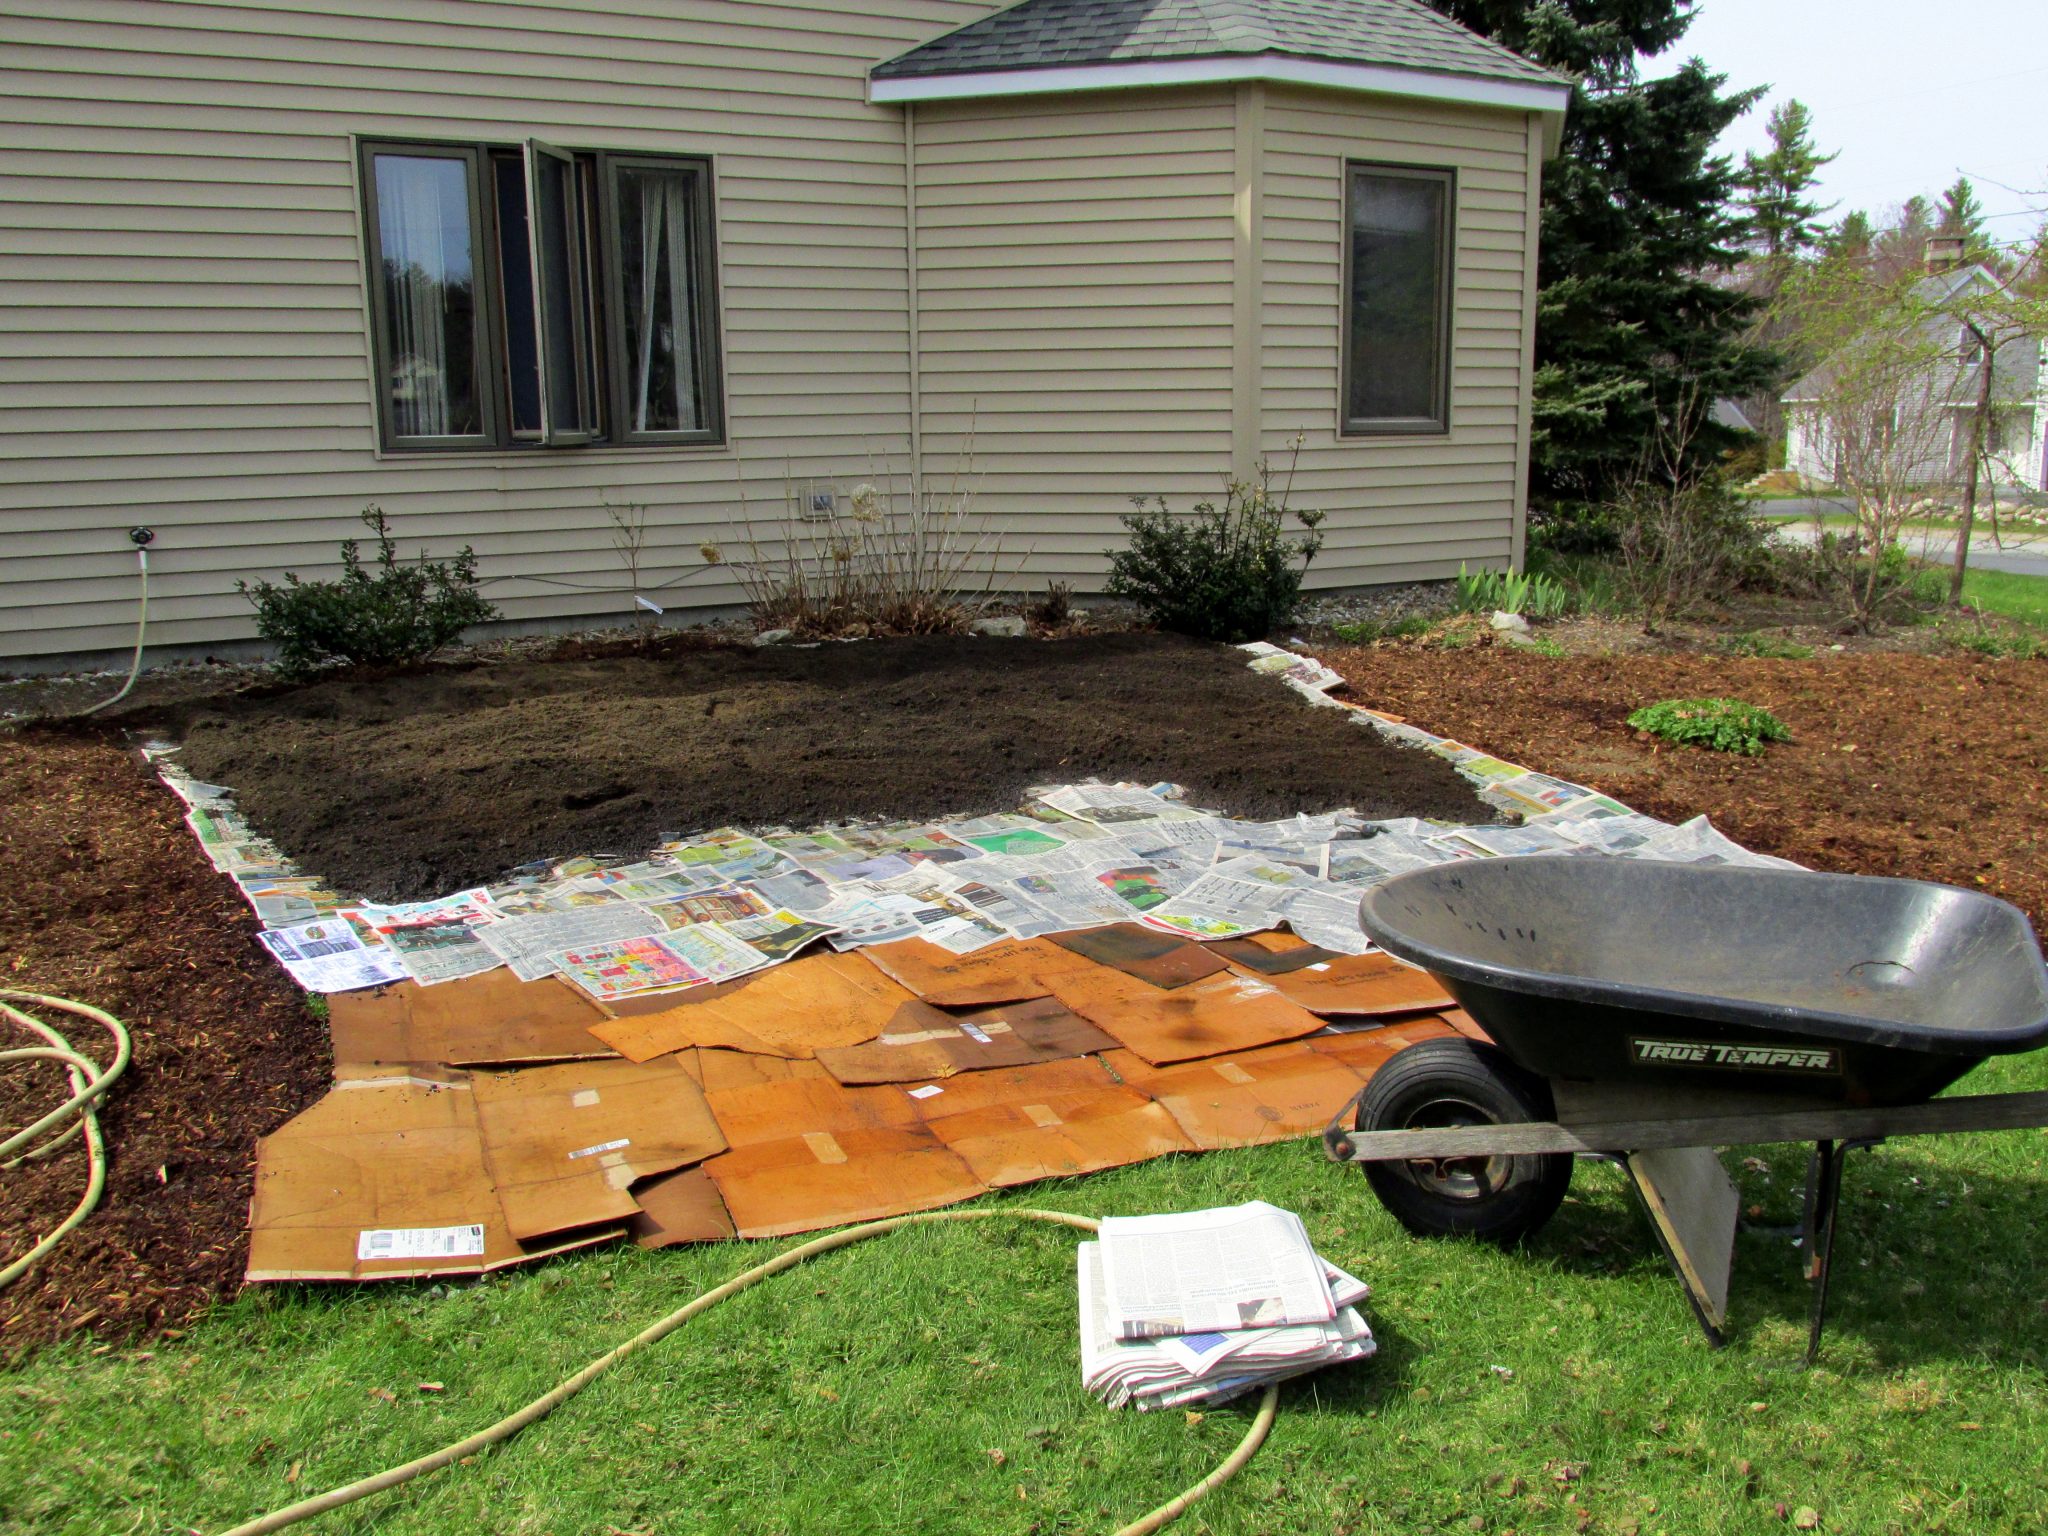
<point x="1501" y="1199"/>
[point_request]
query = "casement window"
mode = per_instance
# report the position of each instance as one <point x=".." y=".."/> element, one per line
<point x="543" y="297"/>
<point x="1397" y="299"/>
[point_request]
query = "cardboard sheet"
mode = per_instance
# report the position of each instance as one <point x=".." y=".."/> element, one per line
<point x="1367" y="986"/>
<point x="680" y="1207"/>
<point x="1163" y="959"/>
<point x="1224" y="1012"/>
<point x="1008" y="972"/>
<point x="1052" y="1120"/>
<point x="488" y="1019"/>
<point x="1247" y="1098"/>
<point x="1258" y="954"/>
<point x="753" y="1113"/>
<point x="795" y="1009"/>
<point x="1009" y="1035"/>
<point x="827" y="1179"/>
<point x="383" y="1180"/>
<point x="563" y="1144"/>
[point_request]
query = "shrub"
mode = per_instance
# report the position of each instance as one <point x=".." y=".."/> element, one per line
<point x="1226" y="573"/>
<point x="1523" y="592"/>
<point x="2003" y="647"/>
<point x="1720" y="725"/>
<point x="399" y="613"/>
<point x="894" y="561"/>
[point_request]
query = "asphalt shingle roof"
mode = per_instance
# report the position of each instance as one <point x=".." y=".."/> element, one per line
<point x="1045" y="34"/>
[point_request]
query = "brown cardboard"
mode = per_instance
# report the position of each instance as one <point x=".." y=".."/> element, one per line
<point x="372" y="1156"/>
<point x="1260" y="955"/>
<point x="1008" y="972"/>
<point x="680" y="1207"/>
<point x="1362" y="986"/>
<point x="492" y="1018"/>
<point x="1163" y="959"/>
<point x="1008" y="1035"/>
<point x="752" y="1113"/>
<point x="564" y="1144"/>
<point x="1247" y="1098"/>
<point x="1050" y="1120"/>
<point x="829" y="1178"/>
<point x="793" y="1009"/>
<point x="1224" y="1012"/>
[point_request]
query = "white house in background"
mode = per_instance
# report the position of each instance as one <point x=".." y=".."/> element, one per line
<point x="2017" y="442"/>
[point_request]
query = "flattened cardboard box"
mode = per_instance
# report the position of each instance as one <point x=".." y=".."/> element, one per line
<point x="1050" y="1120"/>
<point x="793" y="1010"/>
<point x="1007" y="1035"/>
<point x="1007" y="972"/>
<point x="1224" y="1012"/>
<point x="564" y="1144"/>
<point x="489" y="1019"/>
<point x="383" y="1180"/>
<point x="1247" y="1098"/>
<point x="828" y="1178"/>
<point x="1371" y="986"/>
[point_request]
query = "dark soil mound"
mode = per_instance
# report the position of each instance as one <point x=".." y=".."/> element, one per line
<point x="418" y="784"/>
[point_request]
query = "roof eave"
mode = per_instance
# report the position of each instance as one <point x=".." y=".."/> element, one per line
<point x="1548" y="98"/>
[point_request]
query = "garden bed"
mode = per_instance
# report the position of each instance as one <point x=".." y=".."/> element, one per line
<point x="416" y="785"/>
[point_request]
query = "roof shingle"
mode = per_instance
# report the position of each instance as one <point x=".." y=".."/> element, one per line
<point x="1046" y="34"/>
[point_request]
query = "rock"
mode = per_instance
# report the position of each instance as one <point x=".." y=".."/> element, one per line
<point x="1512" y="623"/>
<point x="773" y="636"/>
<point x="1519" y="637"/>
<point x="1007" y="627"/>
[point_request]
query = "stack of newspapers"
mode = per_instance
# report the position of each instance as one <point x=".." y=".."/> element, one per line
<point x="1204" y="1306"/>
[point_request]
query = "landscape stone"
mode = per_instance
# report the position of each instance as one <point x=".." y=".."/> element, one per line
<point x="1008" y="627"/>
<point x="773" y="636"/>
<point x="1510" y="622"/>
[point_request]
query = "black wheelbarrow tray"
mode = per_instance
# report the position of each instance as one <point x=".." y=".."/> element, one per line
<point x="1652" y="1013"/>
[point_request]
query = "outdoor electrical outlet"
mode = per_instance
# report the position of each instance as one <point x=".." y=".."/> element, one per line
<point x="819" y="504"/>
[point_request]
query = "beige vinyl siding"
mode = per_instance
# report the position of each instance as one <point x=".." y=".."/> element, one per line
<point x="1398" y="508"/>
<point x="182" y="332"/>
<point x="1074" y="293"/>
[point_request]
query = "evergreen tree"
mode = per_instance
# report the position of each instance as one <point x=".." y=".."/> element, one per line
<point x="1777" y="186"/>
<point x="1852" y="238"/>
<point x="1960" y="213"/>
<point x="1636" y="323"/>
<point x="1902" y="247"/>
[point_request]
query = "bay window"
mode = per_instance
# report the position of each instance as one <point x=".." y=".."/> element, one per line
<point x="1397" y="300"/>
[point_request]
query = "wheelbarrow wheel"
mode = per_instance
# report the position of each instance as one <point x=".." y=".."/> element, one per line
<point x="1501" y="1198"/>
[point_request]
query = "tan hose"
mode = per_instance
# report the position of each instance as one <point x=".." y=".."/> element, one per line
<point x="540" y="1407"/>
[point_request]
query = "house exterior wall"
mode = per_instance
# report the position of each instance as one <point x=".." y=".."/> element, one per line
<point x="183" y="340"/>
<point x="1405" y="508"/>
<point x="1114" y="294"/>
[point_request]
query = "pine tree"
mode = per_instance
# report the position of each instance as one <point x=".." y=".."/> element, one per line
<point x="1852" y="238"/>
<point x="1777" y="186"/>
<point x="1634" y="324"/>
<point x="1902" y="246"/>
<point x="1960" y="213"/>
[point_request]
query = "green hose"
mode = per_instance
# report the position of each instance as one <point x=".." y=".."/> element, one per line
<point x="540" y="1407"/>
<point x="89" y="1083"/>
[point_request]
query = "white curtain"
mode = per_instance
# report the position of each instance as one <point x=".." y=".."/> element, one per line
<point x="665" y="307"/>
<point x="426" y="243"/>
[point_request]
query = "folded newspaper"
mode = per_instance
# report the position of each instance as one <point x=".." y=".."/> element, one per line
<point x="1205" y="1306"/>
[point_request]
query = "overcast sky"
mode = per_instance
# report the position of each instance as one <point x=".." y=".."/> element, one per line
<point x="1910" y="92"/>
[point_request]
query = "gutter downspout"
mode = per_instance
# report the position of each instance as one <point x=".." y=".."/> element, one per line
<point x="910" y="287"/>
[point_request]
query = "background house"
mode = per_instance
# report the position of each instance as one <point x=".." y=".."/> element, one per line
<point x="504" y="267"/>
<point x="2016" y="442"/>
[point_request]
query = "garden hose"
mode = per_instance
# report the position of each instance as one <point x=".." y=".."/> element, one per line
<point x="89" y="1083"/>
<point x="141" y="538"/>
<point x="540" y="1407"/>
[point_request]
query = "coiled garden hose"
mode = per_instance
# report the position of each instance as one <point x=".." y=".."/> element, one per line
<point x="89" y="1082"/>
<point x="540" y="1407"/>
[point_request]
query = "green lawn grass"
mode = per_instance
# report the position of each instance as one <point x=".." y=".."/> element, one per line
<point x="1562" y="1389"/>
<point x="2017" y="597"/>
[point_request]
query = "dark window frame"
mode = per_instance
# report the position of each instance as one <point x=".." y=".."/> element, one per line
<point x="597" y="292"/>
<point x="704" y="320"/>
<point x="1438" y="423"/>
<point x="484" y="270"/>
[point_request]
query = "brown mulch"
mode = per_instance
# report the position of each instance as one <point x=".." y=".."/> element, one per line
<point x="412" y="786"/>
<point x="1923" y="766"/>
<point x="105" y="899"/>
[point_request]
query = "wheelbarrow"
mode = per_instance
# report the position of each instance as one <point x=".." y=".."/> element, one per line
<point x="1651" y="1013"/>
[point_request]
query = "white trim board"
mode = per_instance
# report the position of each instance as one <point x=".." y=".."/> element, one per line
<point x="1380" y="79"/>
